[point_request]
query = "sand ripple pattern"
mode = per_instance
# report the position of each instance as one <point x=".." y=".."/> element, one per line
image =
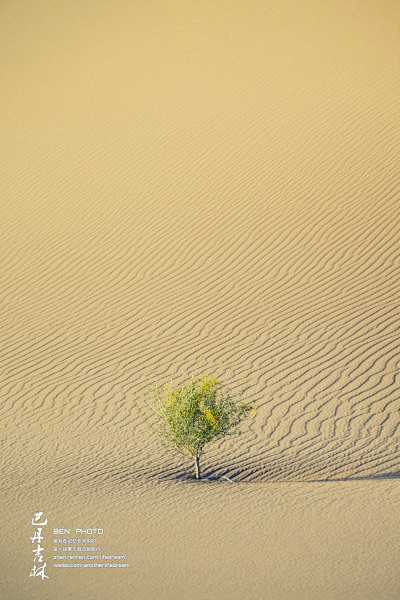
<point x="242" y="222"/>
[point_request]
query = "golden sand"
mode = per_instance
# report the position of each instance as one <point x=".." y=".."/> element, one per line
<point x="202" y="186"/>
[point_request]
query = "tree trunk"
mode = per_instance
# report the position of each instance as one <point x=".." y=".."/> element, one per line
<point x="197" y="467"/>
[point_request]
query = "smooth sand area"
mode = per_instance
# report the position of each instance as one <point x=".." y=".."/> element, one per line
<point x="202" y="186"/>
<point x="200" y="540"/>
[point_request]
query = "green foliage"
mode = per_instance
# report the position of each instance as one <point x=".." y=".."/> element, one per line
<point x="192" y="414"/>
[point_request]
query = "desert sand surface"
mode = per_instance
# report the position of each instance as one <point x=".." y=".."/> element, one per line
<point x="201" y="187"/>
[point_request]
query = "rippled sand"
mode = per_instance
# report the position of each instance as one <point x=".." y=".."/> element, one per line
<point x="202" y="187"/>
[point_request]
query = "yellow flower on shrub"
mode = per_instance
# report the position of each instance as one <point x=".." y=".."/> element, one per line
<point x="210" y="417"/>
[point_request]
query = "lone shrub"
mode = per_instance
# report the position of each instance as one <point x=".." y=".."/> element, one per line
<point x="192" y="414"/>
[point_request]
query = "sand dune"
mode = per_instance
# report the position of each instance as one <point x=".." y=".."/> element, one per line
<point x="212" y="189"/>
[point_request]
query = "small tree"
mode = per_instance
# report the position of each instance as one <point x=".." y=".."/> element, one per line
<point x="190" y="415"/>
